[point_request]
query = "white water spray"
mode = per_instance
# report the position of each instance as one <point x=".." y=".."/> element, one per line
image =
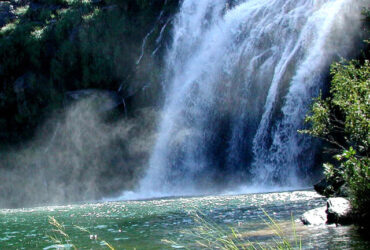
<point x="239" y="81"/>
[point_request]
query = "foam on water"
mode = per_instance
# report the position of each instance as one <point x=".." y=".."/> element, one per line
<point x="239" y="79"/>
<point x="145" y="224"/>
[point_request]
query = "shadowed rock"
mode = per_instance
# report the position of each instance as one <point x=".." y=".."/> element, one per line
<point x="339" y="211"/>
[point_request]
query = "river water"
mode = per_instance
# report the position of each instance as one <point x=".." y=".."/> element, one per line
<point x="172" y="223"/>
<point x="240" y="76"/>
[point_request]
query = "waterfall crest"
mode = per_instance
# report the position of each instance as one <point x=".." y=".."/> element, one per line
<point x="239" y="80"/>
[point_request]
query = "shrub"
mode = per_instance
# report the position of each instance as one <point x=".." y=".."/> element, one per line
<point x="54" y="46"/>
<point x="343" y="120"/>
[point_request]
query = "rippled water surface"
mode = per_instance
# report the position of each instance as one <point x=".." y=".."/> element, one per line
<point x="145" y="224"/>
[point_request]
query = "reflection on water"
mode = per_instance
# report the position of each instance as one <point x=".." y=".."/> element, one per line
<point x="143" y="224"/>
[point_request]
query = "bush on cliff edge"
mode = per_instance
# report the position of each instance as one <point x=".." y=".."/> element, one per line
<point x="343" y="121"/>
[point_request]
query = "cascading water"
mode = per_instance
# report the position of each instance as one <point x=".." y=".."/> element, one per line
<point x="240" y="77"/>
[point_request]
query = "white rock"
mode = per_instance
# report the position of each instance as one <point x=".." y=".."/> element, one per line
<point x="339" y="210"/>
<point x="315" y="217"/>
<point x="339" y="206"/>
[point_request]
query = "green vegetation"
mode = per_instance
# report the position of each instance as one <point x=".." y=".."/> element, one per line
<point x="59" y="235"/>
<point x="55" y="46"/>
<point x="61" y="238"/>
<point x="53" y="54"/>
<point x="343" y="121"/>
<point x="209" y="235"/>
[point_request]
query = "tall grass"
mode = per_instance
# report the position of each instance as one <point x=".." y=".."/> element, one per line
<point x="62" y="239"/>
<point x="209" y="235"/>
<point x="59" y="235"/>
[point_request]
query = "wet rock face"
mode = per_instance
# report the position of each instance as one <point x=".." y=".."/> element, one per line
<point x="331" y="188"/>
<point x="315" y="217"/>
<point x="339" y="211"/>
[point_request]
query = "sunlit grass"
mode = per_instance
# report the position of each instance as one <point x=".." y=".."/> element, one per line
<point x="91" y="15"/>
<point x="212" y="236"/>
<point x="71" y="2"/>
<point x="63" y="11"/>
<point x="207" y="235"/>
<point x="20" y="11"/>
<point x="9" y="27"/>
<point x="38" y="32"/>
<point x="61" y="238"/>
<point x="59" y="235"/>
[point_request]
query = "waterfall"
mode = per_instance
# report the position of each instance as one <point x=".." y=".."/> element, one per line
<point x="239" y="79"/>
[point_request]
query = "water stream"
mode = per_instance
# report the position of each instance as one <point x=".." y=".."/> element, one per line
<point x="145" y="224"/>
<point x="239" y="79"/>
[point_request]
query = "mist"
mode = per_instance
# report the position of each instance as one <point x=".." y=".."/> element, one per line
<point x="81" y="154"/>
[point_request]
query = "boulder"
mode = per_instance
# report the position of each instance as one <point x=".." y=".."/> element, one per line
<point x="322" y="186"/>
<point x="339" y="211"/>
<point x="343" y="191"/>
<point x="331" y="188"/>
<point x="315" y="217"/>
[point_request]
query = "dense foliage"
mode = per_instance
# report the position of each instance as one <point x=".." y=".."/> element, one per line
<point x="57" y="59"/>
<point x="49" y="47"/>
<point x="343" y="121"/>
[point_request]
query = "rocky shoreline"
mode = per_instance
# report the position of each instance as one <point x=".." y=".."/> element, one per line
<point x="337" y="211"/>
